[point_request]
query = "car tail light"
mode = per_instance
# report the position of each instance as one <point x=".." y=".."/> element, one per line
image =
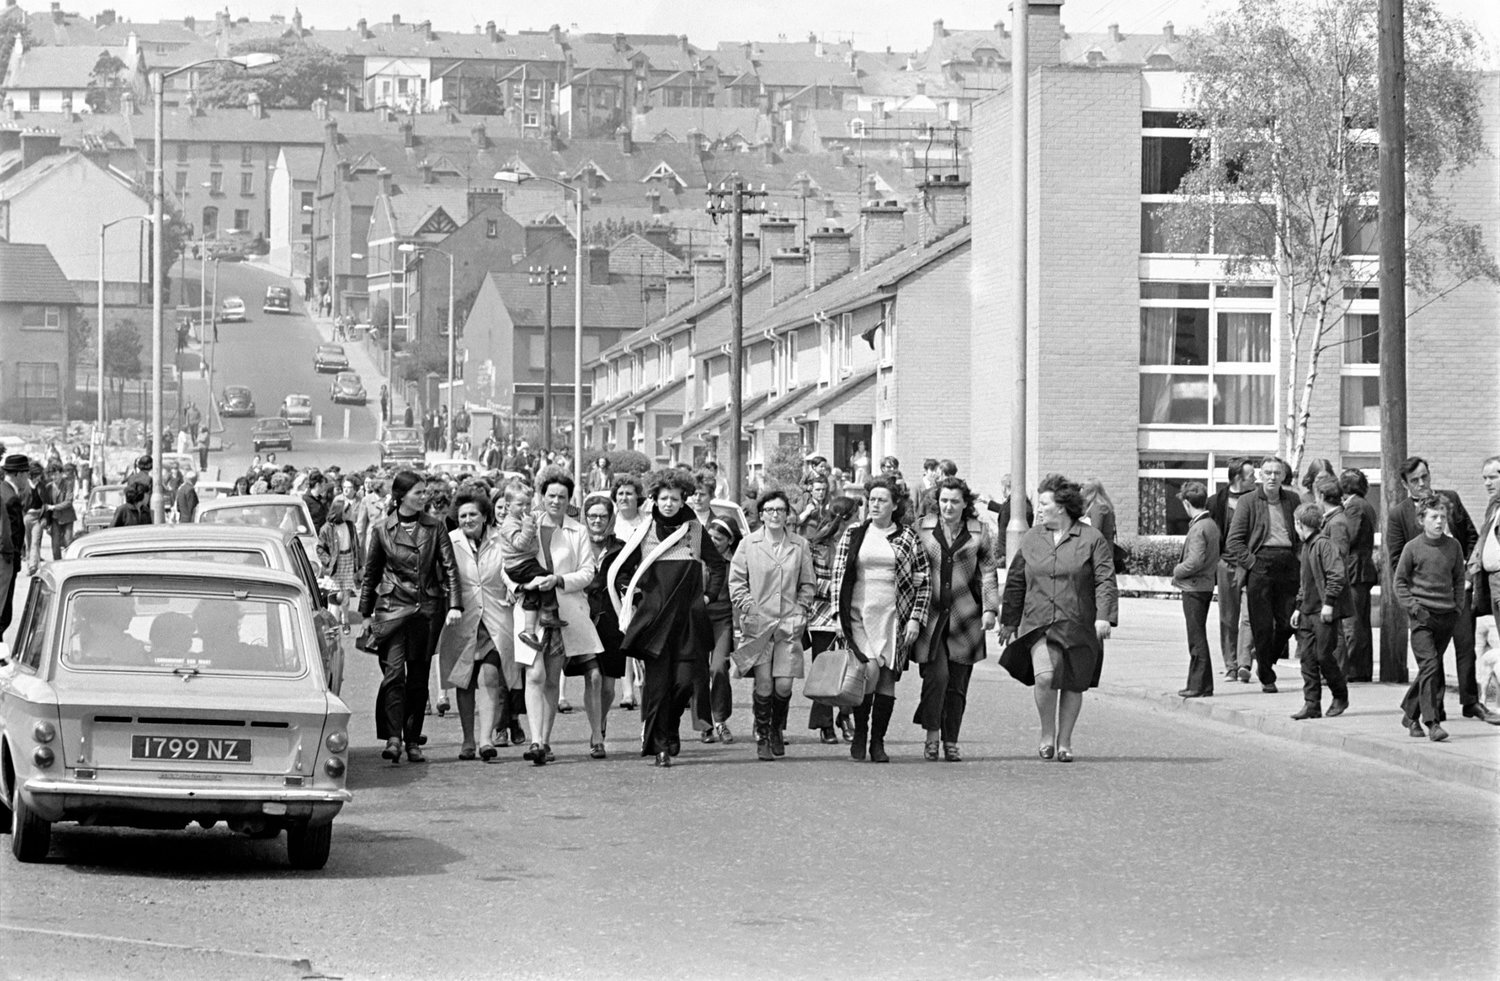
<point x="337" y="742"/>
<point x="42" y="756"/>
<point x="333" y="766"/>
<point x="44" y="732"/>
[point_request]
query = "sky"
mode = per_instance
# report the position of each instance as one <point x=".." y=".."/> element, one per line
<point x="870" y="24"/>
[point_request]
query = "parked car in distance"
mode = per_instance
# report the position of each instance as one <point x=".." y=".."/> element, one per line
<point x="229" y="544"/>
<point x="402" y="447"/>
<point x="154" y="695"/>
<point x="236" y="401"/>
<point x="186" y="462"/>
<point x="457" y="469"/>
<point x="104" y="500"/>
<point x="330" y="358"/>
<point x="278" y="300"/>
<point x="209" y="490"/>
<point x="347" y="389"/>
<point x="232" y="310"/>
<point x="271" y="433"/>
<point x="297" y="410"/>
<point x="226" y="250"/>
<point x="284" y="512"/>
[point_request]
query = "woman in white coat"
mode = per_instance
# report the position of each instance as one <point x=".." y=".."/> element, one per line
<point x="476" y="655"/>
<point x="563" y="547"/>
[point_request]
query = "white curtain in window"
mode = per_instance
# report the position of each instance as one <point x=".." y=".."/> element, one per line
<point x="1245" y="337"/>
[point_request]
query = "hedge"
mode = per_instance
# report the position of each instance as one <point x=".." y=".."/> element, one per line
<point x="620" y="461"/>
<point x="1150" y="555"/>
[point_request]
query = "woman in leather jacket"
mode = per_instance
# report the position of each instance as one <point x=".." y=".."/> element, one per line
<point x="410" y="579"/>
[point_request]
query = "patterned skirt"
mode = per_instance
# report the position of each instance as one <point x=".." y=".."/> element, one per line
<point x="343" y="572"/>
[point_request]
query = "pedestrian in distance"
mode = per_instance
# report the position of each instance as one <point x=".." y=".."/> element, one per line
<point x="881" y="580"/>
<point x="963" y="563"/>
<point x="1098" y="509"/>
<point x="410" y="590"/>
<point x="136" y="510"/>
<point x="823" y="533"/>
<point x="1059" y="606"/>
<point x="713" y="695"/>
<point x="342" y="554"/>
<point x="601" y="478"/>
<point x="1195" y="576"/>
<point x="1358" y="641"/>
<point x="473" y="652"/>
<point x="1323" y="600"/>
<point x="185" y="502"/>
<point x="771" y="584"/>
<point x="1429" y="580"/>
<point x="1264" y="546"/>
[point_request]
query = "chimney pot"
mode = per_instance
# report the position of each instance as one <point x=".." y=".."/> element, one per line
<point x="363" y="26"/>
<point x="882" y="231"/>
<point x="788" y="273"/>
<point x="395" y="20"/>
<point x="829" y="248"/>
<point x="1169" y="32"/>
<point x="489" y="31"/>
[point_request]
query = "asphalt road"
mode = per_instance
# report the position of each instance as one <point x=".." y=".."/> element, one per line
<point x="273" y="355"/>
<point x="1173" y="848"/>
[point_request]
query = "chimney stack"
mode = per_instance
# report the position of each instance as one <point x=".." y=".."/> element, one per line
<point x="384" y="176"/>
<point x="777" y="235"/>
<point x="1044" y="32"/>
<point x="1169" y="32"/>
<point x="659" y="236"/>
<point x="708" y="275"/>
<point x="882" y="231"/>
<point x="654" y="300"/>
<point x="598" y="260"/>
<point x="408" y="134"/>
<point x="426" y="171"/>
<point x="58" y="17"/>
<point x="478" y="135"/>
<point x="330" y="130"/>
<point x="679" y="291"/>
<point x="252" y="103"/>
<point x="752" y="254"/>
<point x="297" y="20"/>
<point x="38" y="144"/>
<point x="829" y="248"/>
<point x="190" y="22"/>
<point x="395" y="20"/>
<point x="945" y="206"/>
<point x="1114" y="33"/>
<point x="481" y="197"/>
<point x="489" y="32"/>
<point x="788" y="274"/>
<point x="363" y="27"/>
<point x="627" y="143"/>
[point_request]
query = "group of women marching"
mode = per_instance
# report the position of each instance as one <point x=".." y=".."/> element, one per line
<point x="660" y="593"/>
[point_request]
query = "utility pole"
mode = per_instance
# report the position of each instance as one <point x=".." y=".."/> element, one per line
<point x="1392" y="161"/>
<point x="733" y="198"/>
<point x="548" y="276"/>
<point x="1020" y="111"/>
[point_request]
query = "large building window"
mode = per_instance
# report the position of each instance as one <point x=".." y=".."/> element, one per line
<point x="1160" y="480"/>
<point x="1206" y="355"/>
<point x="1359" y="375"/>
<point x="38" y="380"/>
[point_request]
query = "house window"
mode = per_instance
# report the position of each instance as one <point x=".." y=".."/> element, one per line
<point x="242" y="219"/>
<point x="247" y="183"/>
<point x="247" y="154"/>
<point x="887" y="332"/>
<point x="213" y="154"/>
<point x="491" y="228"/>
<point x="532" y="120"/>
<point x="791" y="359"/>
<point x="182" y="153"/>
<point x="1359" y="376"/>
<point x="846" y="343"/>
<point x="534" y="90"/>
<point x="1159" y="481"/>
<point x="1206" y="356"/>
<point x="41" y="318"/>
<point x="180" y="181"/>
<point x="37" y="380"/>
<point x="216" y="183"/>
<point x="36" y="100"/>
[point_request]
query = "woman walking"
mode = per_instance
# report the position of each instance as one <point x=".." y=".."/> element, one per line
<point x="963" y="558"/>
<point x="1098" y="509"/>
<point x="713" y="699"/>
<point x="410" y="580"/>
<point x="343" y="554"/>
<point x="658" y="583"/>
<point x="771" y="584"/>
<point x="473" y="653"/>
<point x="628" y="495"/>
<point x="881" y="581"/>
<point x="823" y="618"/>
<point x="1059" y="606"/>
<point x="598" y="518"/>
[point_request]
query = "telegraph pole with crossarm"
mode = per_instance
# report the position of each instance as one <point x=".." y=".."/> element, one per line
<point x="735" y="199"/>
<point x="548" y="276"/>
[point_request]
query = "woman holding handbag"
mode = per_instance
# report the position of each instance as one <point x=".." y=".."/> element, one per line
<point x="965" y="600"/>
<point x="342" y="555"/>
<point x="1059" y="605"/>
<point x="880" y="578"/>
<point x="823" y="621"/>
<point x="771" y="584"/>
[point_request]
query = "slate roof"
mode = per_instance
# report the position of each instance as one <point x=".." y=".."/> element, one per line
<point x="713" y="123"/>
<point x="411" y="207"/>
<point x="78" y="129"/>
<point x="60" y="67"/>
<point x="29" y="274"/>
<point x="958" y="46"/>
<point x="37" y="173"/>
<point x="634" y="255"/>
<point x="613" y="307"/>
<point x="302" y="161"/>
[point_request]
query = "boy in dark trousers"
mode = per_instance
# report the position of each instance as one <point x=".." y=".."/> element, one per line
<point x="1196" y="576"/>
<point x="1322" y="601"/>
<point x="1429" y="578"/>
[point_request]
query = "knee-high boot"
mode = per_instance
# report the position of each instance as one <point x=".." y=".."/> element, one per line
<point x="885" y="705"/>
<point x="780" y="706"/>
<point x="763" y="725"/>
<point x="861" y="728"/>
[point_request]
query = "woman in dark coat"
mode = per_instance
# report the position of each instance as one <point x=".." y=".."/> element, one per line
<point x="1059" y="605"/>
<point x="599" y="519"/>
<point x="136" y="510"/>
<point x="410" y="579"/>
<point x="657" y="586"/>
<point x="880" y="577"/>
<point x="963" y="558"/>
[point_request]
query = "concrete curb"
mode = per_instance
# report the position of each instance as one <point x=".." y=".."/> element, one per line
<point x="1429" y="760"/>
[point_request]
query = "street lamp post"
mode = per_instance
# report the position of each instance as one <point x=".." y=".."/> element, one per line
<point x="452" y="413"/>
<point x="100" y="408"/>
<point x="518" y="177"/>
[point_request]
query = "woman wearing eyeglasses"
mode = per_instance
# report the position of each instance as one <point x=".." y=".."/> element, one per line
<point x="599" y="519"/>
<point x="771" y="584"/>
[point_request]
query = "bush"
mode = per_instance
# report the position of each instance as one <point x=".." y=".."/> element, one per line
<point x="620" y="461"/>
<point x="1151" y="555"/>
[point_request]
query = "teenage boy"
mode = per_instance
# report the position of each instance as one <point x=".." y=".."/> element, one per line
<point x="1322" y="601"/>
<point x="1429" y="580"/>
<point x="1195" y="576"/>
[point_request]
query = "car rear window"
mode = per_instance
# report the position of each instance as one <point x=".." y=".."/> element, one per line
<point x="286" y="517"/>
<point x="222" y="556"/>
<point x="164" y="631"/>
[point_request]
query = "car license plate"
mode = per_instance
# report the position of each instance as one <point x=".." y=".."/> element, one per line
<point x="190" y="749"/>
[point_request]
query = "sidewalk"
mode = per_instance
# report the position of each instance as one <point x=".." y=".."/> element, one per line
<point x="365" y="364"/>
<point x="1146" y="660"/>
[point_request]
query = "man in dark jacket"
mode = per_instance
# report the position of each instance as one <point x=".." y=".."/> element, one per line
<point x="1236" y="647"/>
<point x="1195" y="576"/>
<point x="1484" y="562"/>
<point x="1403" y="523"/>
<point x="1263" y="544"/>
<point x="15" y="489"/>
<point x="1359" y="651"/>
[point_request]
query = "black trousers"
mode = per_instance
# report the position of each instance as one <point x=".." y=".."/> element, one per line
<point x="1424" y="699"/>
<point x="1465" y="661"/>
<point x="1317" y="651"/>
<point x="10" y="570"/>
<point x="666" y="691"/>
<point x="945" y="694"/>
<point x="1359" y="649"/>
<point x="405" y="662"/>
<point x="821" y="716"/>
<point x="1200" y="664"/>
<point x="1271" y="592"/>
<point x="713" y="695"/>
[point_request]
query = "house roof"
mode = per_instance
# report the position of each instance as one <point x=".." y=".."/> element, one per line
<point x="782" y="405"/>
<point x="410" y="208"/>
<point x="846" y="387"/>
<point x="29" y="274"/>
<point x="635" y="256"/>
<point x="302" y="161"/>
<point x="612" y="307"/>
<point x="38" y="173"/>
<point x="713" y="123"/>
<point x="801" y="74"/>
<point x="60" y="68"/>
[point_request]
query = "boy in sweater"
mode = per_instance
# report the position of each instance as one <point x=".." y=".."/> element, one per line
<point x="1323" y="599"/>
<point x="1195" y="576"/>
<point x="518" y="554"/>
<point x="1429" y="578"/>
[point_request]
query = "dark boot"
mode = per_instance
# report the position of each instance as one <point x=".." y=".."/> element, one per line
<point x="763" y="714"/>
<point x="780" y="705"/>
<point x="885" y="705"/>
<point x="861" y="728"/>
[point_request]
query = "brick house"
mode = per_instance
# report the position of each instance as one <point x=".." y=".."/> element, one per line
<point x="38" y="309"/>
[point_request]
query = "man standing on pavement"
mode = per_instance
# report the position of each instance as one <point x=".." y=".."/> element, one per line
<point x="1235" y="645"/>
<point x="187" y="499"/>
<point x="1484" y="564"/>
<point x="194" y="419"/>
<point x="1263" y="544"/>
<point x="385" y="405"/>
<point x="316" y="499"/>
<point x="202" y="442"/>
<point x="1359" y="649"/>
<point x="15" y="490"/>
<point x="1195" y="576"/>
<point x="1403" y="523"/>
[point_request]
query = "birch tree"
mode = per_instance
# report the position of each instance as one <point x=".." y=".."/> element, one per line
<point x="1285" y="174"/>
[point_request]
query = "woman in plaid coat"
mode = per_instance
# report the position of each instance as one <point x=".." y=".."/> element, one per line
<point x="880" y="579"/>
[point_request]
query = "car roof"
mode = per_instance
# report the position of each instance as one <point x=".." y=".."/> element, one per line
<point x="298" y="395"/>
<point x="233" y="299"/>
<point x="240" y="500"/>
<point x="392" y="430"/>
<point x="331" y="347"/>
<point x="236" y="388"/>
<point x="63" y="573"/>
<point x="270" y="541"/>
<point x="270" y="422"/>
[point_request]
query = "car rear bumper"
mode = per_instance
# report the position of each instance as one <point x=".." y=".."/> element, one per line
<point x="273" y="444"/>
<point x="350" y="399"/>
<point x="68" y="800"/>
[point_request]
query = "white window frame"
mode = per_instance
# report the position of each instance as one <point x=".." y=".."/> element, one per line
<point x="1347" y="370"/>
<point x="1215" y="305"/>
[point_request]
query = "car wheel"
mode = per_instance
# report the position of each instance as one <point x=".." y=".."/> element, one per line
<point x="307" y="845"/>
<point x="30" y="835"/>
<point x="5" y="802"/>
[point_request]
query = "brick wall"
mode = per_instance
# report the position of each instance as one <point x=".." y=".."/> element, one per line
<point x="930" y="390"/>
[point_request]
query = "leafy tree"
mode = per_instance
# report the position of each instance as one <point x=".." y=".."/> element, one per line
<point x="483" y="96"/>
<point x="13" y="31"/>
<point x="1285" y="164"/>
<point x="105" y="83"/>
<point x="122" y="354"/>
<point x="304" y="73"/>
